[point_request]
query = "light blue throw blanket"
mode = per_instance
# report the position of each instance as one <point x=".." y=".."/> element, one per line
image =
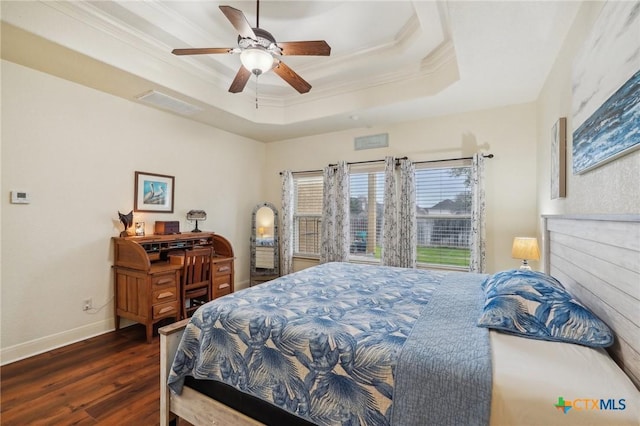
<point x="448" y="381"/>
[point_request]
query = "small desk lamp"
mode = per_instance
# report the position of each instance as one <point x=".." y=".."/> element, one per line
<point x="526" y="249"/>
<point x="196" y="215"/>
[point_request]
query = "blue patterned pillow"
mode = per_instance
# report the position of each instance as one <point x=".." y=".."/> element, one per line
<point x="536" y="305"/>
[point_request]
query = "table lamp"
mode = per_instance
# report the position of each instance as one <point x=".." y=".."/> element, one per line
<point x="525" y="248"/>
<point x="196" y="215"/>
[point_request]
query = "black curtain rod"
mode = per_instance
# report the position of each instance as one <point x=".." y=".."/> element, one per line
<point x="304" y="171"/>
<point x="333" y="165"/>
<point x="368" y="161"/>
<point x="401" y="158"/>
<point x="451" y="159"/>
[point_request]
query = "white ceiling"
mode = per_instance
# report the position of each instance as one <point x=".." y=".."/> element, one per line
<point x="390" y="61"/>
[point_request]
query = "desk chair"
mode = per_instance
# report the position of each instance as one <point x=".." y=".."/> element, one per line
<point x="196" y="280"/>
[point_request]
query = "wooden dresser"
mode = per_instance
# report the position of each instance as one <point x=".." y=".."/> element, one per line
<point x="147" y="283"/>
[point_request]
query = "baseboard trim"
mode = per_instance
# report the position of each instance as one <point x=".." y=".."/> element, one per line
<point x="47" y="343"/>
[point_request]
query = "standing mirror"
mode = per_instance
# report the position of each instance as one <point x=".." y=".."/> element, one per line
<point x="265" y="253"/>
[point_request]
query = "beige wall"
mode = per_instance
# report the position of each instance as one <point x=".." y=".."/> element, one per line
<point x="75" y="150"/>
<point x="610" y="188"/>
<point x="508" y="133"/>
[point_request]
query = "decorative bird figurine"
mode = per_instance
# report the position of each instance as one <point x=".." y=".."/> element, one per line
<point x="127" y="221"/>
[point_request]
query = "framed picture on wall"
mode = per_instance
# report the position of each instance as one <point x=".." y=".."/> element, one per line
<point x="153" y="193"/>
<point x="606" y="88"/>
<point x="559" y="159"/>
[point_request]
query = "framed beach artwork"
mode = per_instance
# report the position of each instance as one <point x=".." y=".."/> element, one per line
<point x="153" y="193"/>
<point x="606" y="88"/>
<point x="559" y="159"/>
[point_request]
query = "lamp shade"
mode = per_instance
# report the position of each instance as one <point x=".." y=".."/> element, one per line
<point x="257" y="60"/>
<point x="525" y="248"/>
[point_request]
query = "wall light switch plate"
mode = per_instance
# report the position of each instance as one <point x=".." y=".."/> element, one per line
<point x="20" y="197"/>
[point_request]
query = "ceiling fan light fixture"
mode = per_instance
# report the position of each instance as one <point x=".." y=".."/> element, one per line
<point x="257" y="60"/>
<point x="260" y="53"/>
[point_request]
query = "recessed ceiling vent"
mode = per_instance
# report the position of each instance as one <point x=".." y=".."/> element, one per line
<point x="166" y="102"/>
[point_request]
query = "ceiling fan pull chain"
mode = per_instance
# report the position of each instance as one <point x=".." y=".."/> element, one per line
<point x="256" y="90"/>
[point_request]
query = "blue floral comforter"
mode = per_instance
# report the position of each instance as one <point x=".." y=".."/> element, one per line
<point x="322" y="343"/>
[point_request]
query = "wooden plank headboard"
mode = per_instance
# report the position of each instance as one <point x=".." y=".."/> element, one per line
<point x="597" y="258"/>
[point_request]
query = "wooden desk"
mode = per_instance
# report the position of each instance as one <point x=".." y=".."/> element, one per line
<point x="147" y="284"/>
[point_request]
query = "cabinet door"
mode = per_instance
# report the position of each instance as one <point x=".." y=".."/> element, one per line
<point x="131" y="294"/>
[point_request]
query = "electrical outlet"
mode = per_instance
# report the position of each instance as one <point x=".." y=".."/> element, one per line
<point x="87" y="304"/>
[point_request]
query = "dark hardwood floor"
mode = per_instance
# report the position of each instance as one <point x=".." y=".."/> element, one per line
<point x="112" y="379"/>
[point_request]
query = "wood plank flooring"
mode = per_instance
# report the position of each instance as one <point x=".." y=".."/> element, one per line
<point x="112" y="379"/>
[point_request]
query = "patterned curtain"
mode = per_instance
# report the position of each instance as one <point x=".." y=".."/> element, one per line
<point x="407" y="228"/>
<point x="477" y="262"/>
<point x="334" y="245"/>
<point x="390" y="236"/>
<point x="286" y="237"/>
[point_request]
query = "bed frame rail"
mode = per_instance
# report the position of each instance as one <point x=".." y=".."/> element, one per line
<point x="192" y="406"/>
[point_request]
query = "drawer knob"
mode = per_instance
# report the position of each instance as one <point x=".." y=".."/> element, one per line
<point x="224" y="268"/>
<point x="165" y="281"/>
<point x="165" y="295"/>
<point x="221" y="286"/>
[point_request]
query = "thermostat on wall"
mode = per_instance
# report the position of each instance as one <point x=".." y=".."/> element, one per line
<point x="20" y="197"/>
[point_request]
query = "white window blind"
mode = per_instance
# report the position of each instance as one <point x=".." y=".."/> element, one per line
<point x="307" y="215"/>
<point x="443" y="214"/>
<point x="366" y="204"/>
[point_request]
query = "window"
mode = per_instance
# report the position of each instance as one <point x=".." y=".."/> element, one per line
<point x="366" y="209"/>
<point x="443" y="213"/>
<point x="366" y="199"/>
<point x="307" y="214"/>
<point x="443" y="216"/>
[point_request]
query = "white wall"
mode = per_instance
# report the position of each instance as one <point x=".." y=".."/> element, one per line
<point x="610" y="188"/>
<point x="509" y="133"/>
<point x="76" y="150"/>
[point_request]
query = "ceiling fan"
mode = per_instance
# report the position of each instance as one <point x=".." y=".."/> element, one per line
<point x="260" y="53"/>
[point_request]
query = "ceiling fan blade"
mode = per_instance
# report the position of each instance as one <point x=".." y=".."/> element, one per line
<point x="239" y="22"/>
<point x="315" y="48"/>
<point x="240" y="81"/>
<point x="290" y="76"/>
<point x="201" y="51"/>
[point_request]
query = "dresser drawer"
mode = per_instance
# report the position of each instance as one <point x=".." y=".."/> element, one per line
<point x="165" y="279"/>
<point x="221" y="286"/>
<point x="168" y="309"/>
<point x="163" y="295"/>
<point x="220" y="268"/>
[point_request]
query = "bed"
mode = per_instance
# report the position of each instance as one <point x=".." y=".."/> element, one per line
<point x="478" y="375"/>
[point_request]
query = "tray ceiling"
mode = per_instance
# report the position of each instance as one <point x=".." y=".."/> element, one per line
<point x="390" y="60"/>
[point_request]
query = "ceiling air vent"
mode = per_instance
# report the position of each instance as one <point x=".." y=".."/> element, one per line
<point x="166" y="102"/>
<point x="372" y="141"/>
